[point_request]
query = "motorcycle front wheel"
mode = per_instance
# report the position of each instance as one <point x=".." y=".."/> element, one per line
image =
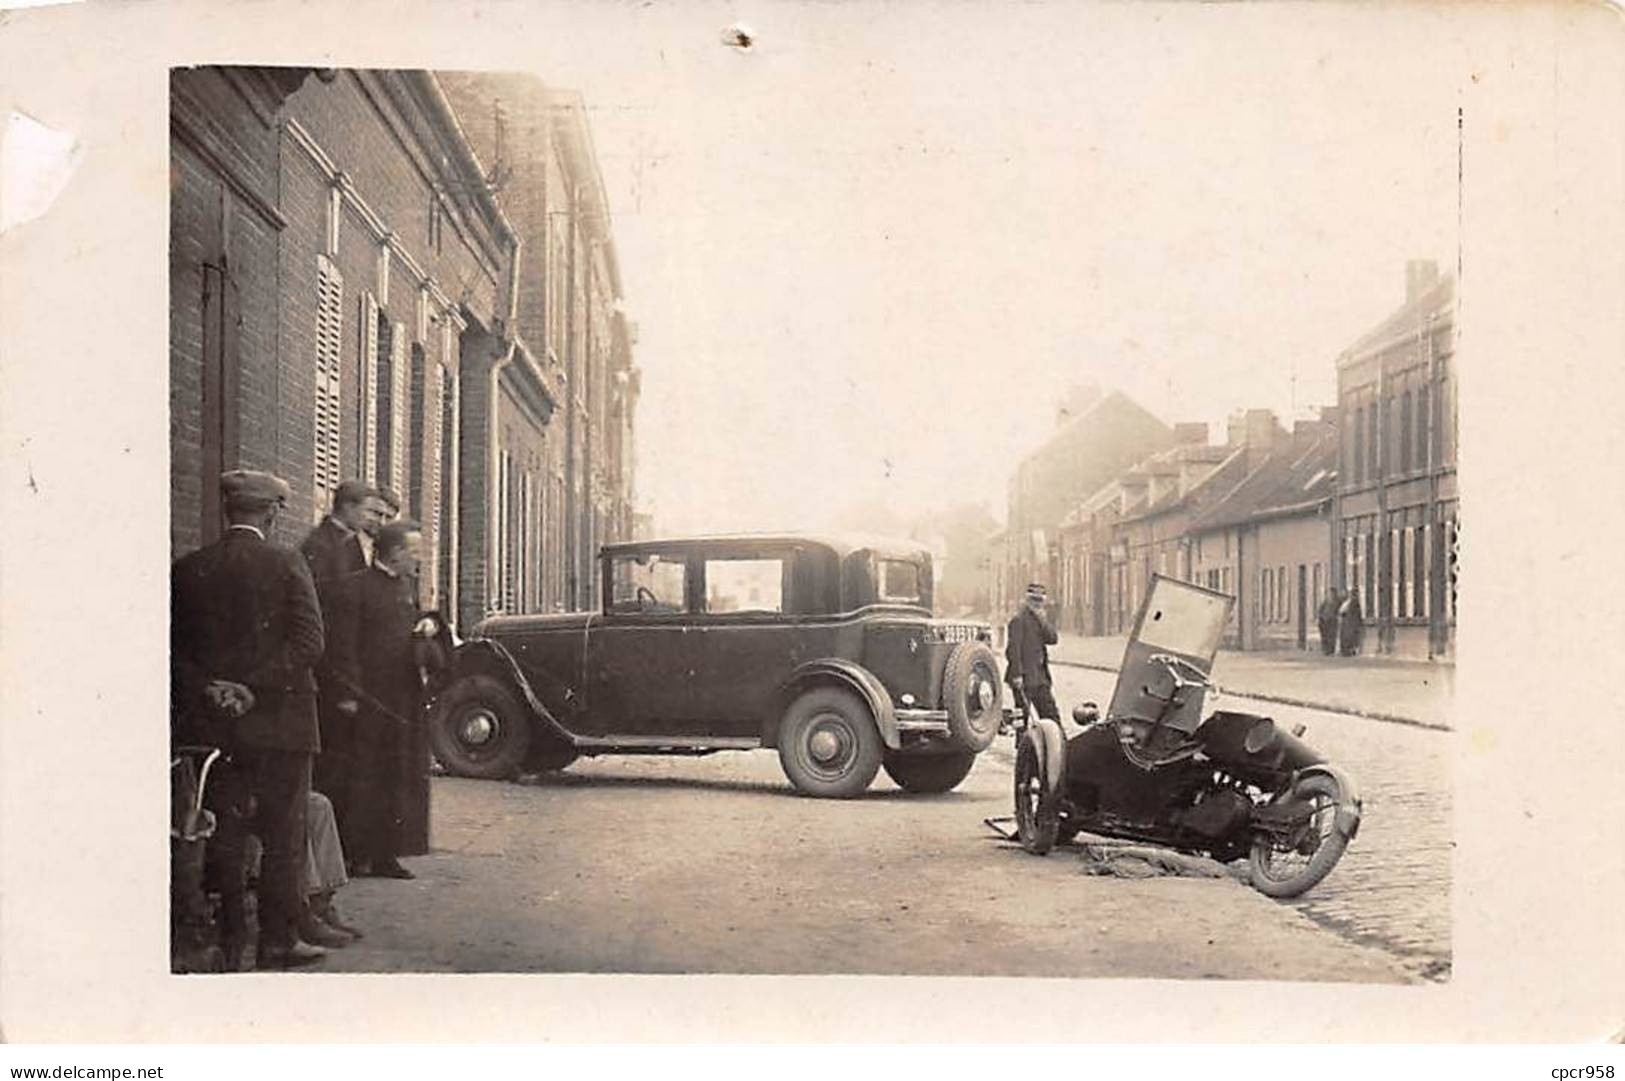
<point x="1037" y="818"/>
<point x="1286" y="868"/>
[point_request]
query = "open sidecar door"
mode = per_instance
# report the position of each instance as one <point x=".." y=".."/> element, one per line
<point x="1181" y="620"/>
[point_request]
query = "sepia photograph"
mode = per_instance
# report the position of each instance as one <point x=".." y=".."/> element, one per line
<point x="797" y="521"/>
<point x="535" y="613"/>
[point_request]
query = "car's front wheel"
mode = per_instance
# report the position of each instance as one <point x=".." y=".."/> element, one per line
<point x="929" y="773"/>
<point x="480" y="728"/>
<point x="829" y="745"/>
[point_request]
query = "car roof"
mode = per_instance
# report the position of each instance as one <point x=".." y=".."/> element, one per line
<point x="841" y="543"/>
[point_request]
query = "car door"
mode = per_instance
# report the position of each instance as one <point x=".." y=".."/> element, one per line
<point x="748" y="637"/>
<point x="1178" y="620"/>
<point x="639" y="660"/>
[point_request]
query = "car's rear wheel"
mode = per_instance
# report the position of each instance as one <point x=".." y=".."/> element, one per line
<point x="972" y="695"/>
<point x="929" y="773"/>
<point x="829" y="745"/>
<point x="480" y="728"/>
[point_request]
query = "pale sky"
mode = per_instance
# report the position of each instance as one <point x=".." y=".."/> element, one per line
<point x="868" y="255"/>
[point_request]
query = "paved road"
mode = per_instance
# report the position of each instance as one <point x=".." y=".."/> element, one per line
<point x="713" y="865"/>
<point x="1392" y="887"/>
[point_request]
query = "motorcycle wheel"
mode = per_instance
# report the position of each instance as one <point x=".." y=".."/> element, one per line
<point x="1287" y="871"/>
<point x="1038" y="821"/>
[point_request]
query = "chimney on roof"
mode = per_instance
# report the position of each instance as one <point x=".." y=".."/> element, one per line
<point x="1255" y="429"/>
<point x="1420" y="276"/>
<point x="1190" y="433"/>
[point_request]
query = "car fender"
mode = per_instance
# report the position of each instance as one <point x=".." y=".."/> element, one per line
<point x="850" y="674"/>
<point x="1050" y="743"/>
<point x="484" y="656"/>
<point x="1349" y="811"/>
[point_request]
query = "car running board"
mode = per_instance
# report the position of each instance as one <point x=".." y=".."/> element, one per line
<point x="660" y="744"/>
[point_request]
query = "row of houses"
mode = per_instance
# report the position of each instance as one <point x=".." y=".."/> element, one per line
<point x="408" y="278"/>
<point x="1362" y="499"/>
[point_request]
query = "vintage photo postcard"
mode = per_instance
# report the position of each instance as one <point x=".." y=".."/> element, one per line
<point x="645" y="504"/>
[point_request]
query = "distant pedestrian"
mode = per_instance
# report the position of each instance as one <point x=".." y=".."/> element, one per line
<point x="245" y="629"/>
<point x="1326" y="618"/>
<point x="1027" y="640"/>
<point x="373" y="617"/>
<point x="1350" y="624"/>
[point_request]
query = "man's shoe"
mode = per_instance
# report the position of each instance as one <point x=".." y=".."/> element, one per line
<point x="284" y="957"/>
<point x="317" y="933"/>
<point x="329" y="914"/>
<point x="392" y="869"/>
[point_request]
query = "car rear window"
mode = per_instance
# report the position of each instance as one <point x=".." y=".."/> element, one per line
<point x="899" y="580"/>
<point x="744" y="585"/>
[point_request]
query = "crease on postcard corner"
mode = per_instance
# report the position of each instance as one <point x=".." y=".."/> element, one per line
<point x="36" y="163"/>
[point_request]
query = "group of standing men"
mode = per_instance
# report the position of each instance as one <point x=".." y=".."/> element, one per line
<point x="1341" y="623"/>
<point x="305" y="668"/>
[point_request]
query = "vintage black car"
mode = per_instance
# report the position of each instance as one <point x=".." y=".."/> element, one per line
<point x="822" y="647"/>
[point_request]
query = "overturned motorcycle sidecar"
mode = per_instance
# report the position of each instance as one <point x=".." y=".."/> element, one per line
<point x="1153" y="770"/>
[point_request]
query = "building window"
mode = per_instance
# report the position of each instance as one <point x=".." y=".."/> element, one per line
<point x="368" y="397"/>
<point x="1357" y="474"/>
<point x="1371" y="441"/>
<point x="1405" y="425"/>
<point x="1407" y="567"/>
<point x="1419" y="573"/>
<point x="1424" y="445"/>
<point x="1266" y="595"/>
<point x="329" y="365"/>
<point x="1391" y="566"/>
<point x="1368" y="571"/>
<point x="1319" y="586"/>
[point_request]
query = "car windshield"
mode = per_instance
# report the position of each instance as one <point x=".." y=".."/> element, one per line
<point x="1183" y="619"/>
<point x="650" y="582"/>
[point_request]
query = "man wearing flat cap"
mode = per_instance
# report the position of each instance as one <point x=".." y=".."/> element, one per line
<point x="245" y="629"/>
<point x="1026" y="653"/>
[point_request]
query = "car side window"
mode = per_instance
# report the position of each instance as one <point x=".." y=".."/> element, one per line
<point x="650" y="582"/>
<point x="744" y="585"/>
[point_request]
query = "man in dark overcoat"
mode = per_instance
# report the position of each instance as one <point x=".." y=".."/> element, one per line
<point x="373" y="617"/>
<point x="1028" y="637"/>
<point x="245" y="629"/>
<point x="337" y="547"/>
<point x="1350" y="624"/>
<point x="1326" y="619"/>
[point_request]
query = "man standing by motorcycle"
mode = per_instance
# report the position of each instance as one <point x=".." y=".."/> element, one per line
<point x="1026" y="653"/>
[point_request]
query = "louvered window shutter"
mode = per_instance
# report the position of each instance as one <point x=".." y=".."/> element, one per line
<point x="329" y="337"/>
<point x="369" y="388"/>
<point x="399" y="416"/>
<point x="434" y="444"/>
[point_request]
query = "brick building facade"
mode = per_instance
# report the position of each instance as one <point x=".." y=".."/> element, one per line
<point x="349" y="299"/>
<point x="1396" y="505"/>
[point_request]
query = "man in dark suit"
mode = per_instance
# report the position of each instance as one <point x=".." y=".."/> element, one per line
<point x="338" y="546"/>
<point x="245" y="629"/>
<point x="1026" y="652"/>
<point x="373" y="618"/>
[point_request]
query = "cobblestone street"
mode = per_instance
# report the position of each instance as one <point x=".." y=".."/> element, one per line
<point x="1392" y="888"/>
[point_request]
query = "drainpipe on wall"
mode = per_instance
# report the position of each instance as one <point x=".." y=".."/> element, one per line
<point x="493" y="430"/>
